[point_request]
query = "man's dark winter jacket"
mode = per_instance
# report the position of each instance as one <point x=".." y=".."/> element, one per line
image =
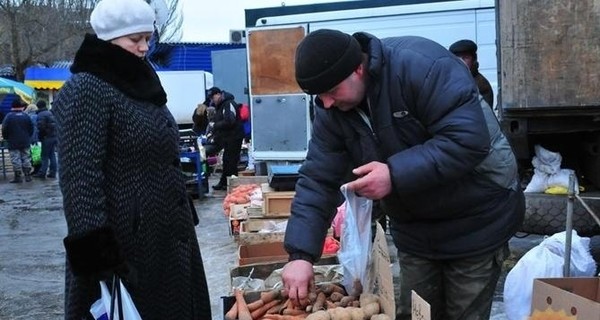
<point x="227" y="121"/>
<point x="125" y="200"/>
<point x="455" y="191"/>
<point x="17" y="129"/>
<point x="46" y="124"/>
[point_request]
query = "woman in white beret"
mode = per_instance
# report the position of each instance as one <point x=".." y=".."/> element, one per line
<point x="125" y="200"/>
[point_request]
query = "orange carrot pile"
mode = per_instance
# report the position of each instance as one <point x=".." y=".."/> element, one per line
<point x="238" y="195"/>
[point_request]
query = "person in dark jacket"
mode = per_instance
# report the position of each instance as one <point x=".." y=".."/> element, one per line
<point x="17" y="130"/>
<point x="400" y="121"/>
<point x="228" y="132"/>
<point x="467" y="51"/>
<point x="124" y="195"/>
<point x="200" y="119"/>
<point x="46" y="124"/>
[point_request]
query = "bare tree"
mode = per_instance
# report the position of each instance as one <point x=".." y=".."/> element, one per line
<point x="171" y="12"/>
<point x="44" y="31"/>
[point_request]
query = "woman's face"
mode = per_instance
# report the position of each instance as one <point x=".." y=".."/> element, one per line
<point x="136" y="43"/>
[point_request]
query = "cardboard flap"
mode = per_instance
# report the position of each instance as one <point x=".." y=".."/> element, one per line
<point x="380" y="277"/>
<point x="421" y="310"/>
<point x="573" y="296"/>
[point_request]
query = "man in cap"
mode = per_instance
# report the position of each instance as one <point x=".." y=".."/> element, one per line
<point x="17" y="129"/>
<point x="401" y="121"/>
<point x="467" y="51"/>
<point x="228" y="133"/>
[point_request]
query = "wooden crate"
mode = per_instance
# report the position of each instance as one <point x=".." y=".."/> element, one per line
<point x="261" y="252"/>
<point x="239" y="211"/>
<point x="233" y="182"/>
<point x="252" y="238"/>
<point x="255" y="225"/>
<point x="249" y="231"/>
<point x="276" y="203"/>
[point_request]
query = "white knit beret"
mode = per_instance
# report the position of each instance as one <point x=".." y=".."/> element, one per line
<point x="112" y="19"/>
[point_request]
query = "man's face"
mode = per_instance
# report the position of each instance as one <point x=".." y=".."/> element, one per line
<point x="467" y="58"/>
<point x="216" y="98"/>
<point x="347" y="94"/>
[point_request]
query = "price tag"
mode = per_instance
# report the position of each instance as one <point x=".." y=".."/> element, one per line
<point x="421" y="310"/>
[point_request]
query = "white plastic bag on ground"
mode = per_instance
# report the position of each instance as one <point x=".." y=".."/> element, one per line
<point x="547" y="172"/>
<point x="544" y="261"/>
<point x="546" y="160"/>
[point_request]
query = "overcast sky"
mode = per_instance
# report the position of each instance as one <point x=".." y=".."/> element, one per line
<point x="210" y="21"/>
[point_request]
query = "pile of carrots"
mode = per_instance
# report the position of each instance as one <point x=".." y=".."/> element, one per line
<point x="238" y="195"/>
<point x="328" y="302"/>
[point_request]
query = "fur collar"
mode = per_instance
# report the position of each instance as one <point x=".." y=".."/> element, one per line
<point x="133" y="76"/>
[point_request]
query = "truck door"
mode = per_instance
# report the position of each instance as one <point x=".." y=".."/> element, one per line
<point x="279" y="109"/>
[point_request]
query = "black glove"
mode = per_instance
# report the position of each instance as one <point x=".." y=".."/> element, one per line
<point x="96" y="253"/>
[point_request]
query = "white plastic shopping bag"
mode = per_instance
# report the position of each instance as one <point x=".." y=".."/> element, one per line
<point x="545" y="260"/>
<point x="355" y="241"/>
<point x="101" y="309"/>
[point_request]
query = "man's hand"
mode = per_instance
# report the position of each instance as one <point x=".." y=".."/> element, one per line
<point x="374" y="182"/>
<point x="298" y="280"/>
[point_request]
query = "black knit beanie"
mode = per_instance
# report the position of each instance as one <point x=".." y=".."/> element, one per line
<point x="324" y="58"/>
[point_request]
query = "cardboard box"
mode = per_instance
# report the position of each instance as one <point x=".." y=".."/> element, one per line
<point x="421" y="310"/>
<point x="249" y="232"/>
<point x="276" y="203"/>
<point x="255" y="225"/>
<point x="380" y="280"/>
<point x="263" y="252"/>
<point x="235" y="226"/>
<point x="239" y="211"/>
<point x="578" y="297"/>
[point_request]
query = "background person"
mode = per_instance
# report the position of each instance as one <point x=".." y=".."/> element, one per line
<point x="228" y="133"/>
<point x="401" y="119"/>
<point x="200" y="118"/>
<point x="31" y="111"/>
<point x="17" y="130"/>
<point x="467" y="51"/>
<point x="125" y="201"/>
<point x="46" y="124"/>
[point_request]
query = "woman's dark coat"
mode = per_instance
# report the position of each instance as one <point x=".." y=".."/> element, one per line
<point x="124" y="196"/>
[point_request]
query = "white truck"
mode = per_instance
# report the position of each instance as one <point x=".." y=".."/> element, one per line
<point x="548" y="60"/>
<point x="281" y="112"/>
<point x="185" y="90"/>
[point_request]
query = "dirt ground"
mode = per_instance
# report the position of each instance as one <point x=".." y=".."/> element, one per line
<point x="32" y="256"/>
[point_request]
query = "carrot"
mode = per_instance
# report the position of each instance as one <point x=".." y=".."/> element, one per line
<point x="293" y="312"/>
<point x="255" y="305"/>
<point x="232" y="313"/>
<point x="269" y="296"/>
<point x="243" y="312"/>
<point x="256" y="314"/>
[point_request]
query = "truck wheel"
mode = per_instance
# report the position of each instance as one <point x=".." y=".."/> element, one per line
<point x="546" y="214"/>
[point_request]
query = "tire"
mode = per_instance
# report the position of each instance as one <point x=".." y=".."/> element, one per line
<point x="546" y="215"/>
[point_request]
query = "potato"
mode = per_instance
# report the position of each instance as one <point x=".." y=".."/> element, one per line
<point x="357" y="313"/>
<point x="319" y="315"/>
<point x="367" y="298"/>
<point x="381" y="316"/>
<point x="371" y="309"/>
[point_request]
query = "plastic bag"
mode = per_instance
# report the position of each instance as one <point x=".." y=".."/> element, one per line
<point x="36" y="154"/>
<point x="102" y="307"/>
<point x="355" y="241"/>
<point x="545" y="260"/>
<point x="547" y="173"/>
